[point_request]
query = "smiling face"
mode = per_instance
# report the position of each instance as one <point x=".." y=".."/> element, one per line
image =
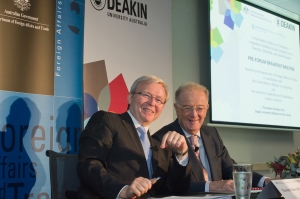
<point x="191" y="120"/>
<point x="143" y="109"/>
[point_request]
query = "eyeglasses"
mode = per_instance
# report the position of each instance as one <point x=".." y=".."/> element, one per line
<point x="188" y="109"/>
<point x="148" y="96"/>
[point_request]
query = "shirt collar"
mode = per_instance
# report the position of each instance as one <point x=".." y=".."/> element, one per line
<point x="136" y="123"/>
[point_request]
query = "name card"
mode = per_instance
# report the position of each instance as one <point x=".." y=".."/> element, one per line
<point x="287" y="188"/>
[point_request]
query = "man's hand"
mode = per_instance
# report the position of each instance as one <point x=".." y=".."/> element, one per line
<point x="223" y="185"/>
<point x="174" y="141"/>
<point x="137" y="188"/>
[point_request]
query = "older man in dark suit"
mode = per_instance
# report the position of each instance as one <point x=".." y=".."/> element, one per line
<point x="211" y="162"/>
<point x="119" y="159"/>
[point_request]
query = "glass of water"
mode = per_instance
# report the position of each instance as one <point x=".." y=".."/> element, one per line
<point x="242" y="178"/>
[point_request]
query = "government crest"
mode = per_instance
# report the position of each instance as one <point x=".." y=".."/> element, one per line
<point x="22" y="4"/>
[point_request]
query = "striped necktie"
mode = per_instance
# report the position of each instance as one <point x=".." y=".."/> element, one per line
<point x="194" y="143"/>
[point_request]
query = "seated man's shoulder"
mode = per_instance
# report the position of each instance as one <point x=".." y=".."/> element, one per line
<point x="205" y="127"/>
<point x="208" y="128"/>
<point x="158" y="135"/>
<point x="104" y="114"/>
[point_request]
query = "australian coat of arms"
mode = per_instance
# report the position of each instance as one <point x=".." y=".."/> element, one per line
<point x="22" y="4"/>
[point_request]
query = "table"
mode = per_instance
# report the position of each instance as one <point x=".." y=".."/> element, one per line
<point x="200" y="195"/>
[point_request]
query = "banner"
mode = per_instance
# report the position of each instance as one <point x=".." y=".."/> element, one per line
<point x="41" y="53"/>
<point x="123" y="41"/>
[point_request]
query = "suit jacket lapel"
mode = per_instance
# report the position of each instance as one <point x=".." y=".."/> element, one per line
<point x="197" y="173"/>
<point x="131" y="130"/>
<point x="128" y="123"/>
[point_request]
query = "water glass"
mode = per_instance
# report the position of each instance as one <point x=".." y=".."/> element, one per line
<point x="242" y="179"/>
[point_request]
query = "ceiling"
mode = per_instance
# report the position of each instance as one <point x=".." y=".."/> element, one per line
<point x="290" y="5"/>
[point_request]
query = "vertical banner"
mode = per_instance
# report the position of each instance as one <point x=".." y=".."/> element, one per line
<point x="123" y="41"/>
<point x="26" y="46"/>
<point x="41" y="59"/>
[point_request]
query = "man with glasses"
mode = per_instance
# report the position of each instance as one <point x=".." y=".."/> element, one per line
<point x="211" y="162"/>
<point x="119" y="159"/>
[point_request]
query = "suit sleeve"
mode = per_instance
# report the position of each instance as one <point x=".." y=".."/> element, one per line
<point x="95" y="144"/>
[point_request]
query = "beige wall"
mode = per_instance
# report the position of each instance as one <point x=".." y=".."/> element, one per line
<point x="191" y="63"/>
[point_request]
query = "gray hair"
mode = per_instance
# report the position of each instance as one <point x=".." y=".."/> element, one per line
<point x="150" y="79"/>
<point x="191" y="86"/>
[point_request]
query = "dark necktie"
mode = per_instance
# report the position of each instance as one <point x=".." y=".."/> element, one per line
<point x="194" y="143"/>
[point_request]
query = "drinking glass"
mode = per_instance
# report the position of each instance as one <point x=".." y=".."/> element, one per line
<point x="242" y="179"/>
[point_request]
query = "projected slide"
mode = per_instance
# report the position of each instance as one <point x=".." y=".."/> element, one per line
<point x="255" y="66"/>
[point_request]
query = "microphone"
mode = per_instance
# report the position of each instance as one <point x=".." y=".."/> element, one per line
<point x="154" y="148"/>
<point x="196" y="148"/>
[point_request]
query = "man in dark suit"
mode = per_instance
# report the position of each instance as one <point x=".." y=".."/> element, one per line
<point x="211" y="162"/>
<point x="118" y="161"/>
